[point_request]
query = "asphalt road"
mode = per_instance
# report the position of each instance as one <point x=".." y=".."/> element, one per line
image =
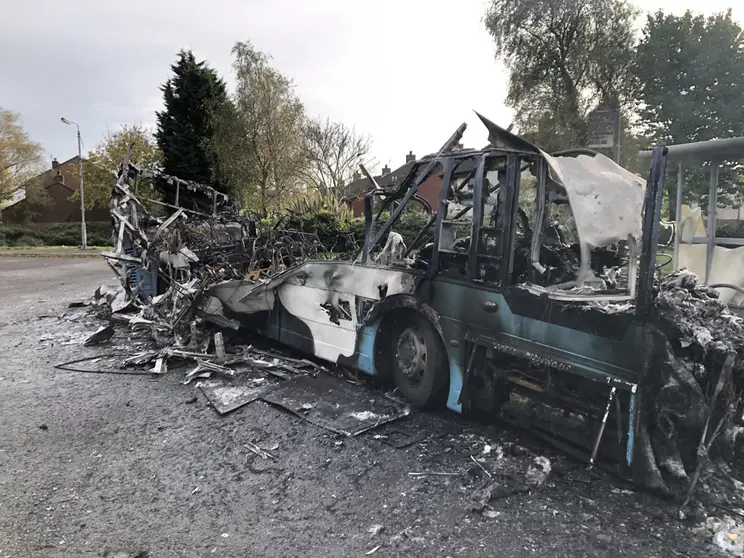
<point x="111" y="465"/>
<point x="27" y="284"/>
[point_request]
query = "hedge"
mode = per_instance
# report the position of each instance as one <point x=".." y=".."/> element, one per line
<point x="54" y="234"/>
<point x="332" y="228"/>
<point x="329" y="227"/>
<point x="730" y="229"/>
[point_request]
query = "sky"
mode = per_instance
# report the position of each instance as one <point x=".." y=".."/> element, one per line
<point x="405" y="72"/>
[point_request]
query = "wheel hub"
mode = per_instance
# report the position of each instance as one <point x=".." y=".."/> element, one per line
<point x="411" y="354"/>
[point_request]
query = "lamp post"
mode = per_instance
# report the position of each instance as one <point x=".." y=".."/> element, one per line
<point x="82" y="191"/>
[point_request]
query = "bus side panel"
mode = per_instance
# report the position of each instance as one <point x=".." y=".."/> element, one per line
<point x="476" y="312"/>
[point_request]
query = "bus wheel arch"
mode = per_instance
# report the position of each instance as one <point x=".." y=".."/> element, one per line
<point x="409" y="350"/>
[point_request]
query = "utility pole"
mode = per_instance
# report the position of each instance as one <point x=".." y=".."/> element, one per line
<point x="83" y="230"/>
<point x="616" y="147"/>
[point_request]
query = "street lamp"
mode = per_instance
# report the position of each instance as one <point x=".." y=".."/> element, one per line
<point x="82" y="192"/>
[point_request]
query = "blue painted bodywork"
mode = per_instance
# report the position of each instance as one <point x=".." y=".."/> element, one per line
<point x="455" y="386"/>
<point x="631" y="431"/>
<point x="366" y="353"/>
<point x="461" y="318"/>
<point x="585" y="353"/>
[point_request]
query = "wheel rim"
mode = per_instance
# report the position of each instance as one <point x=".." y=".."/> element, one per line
<point x="410" y="355"/>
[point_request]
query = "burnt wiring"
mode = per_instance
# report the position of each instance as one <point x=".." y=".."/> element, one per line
<point x="66" y="366"/>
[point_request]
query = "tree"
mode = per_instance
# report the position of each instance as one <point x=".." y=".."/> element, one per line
<point x="258" y="136"/>
<point x="104" y="161"/>
<point x="565" y="58"/>
<point x="333" y="153"/>
<point x="185" y="127"/>
<point x="691" y="74"/>
<point x="20" y="158"/>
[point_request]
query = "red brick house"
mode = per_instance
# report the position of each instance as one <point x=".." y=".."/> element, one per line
<point x="60" y="184"/>
<point x="390" y="180"/>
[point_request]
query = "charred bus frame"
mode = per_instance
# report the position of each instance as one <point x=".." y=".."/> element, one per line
<point x="471" y="335"/>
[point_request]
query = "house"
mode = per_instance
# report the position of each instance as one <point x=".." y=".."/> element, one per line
<point x="389" y="180"/>
<point x="60" y="184"/>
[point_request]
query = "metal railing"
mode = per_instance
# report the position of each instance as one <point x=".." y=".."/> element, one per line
<point x="713" y="152"/>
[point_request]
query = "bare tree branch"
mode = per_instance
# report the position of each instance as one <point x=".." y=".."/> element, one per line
<point x="333" y="153"/>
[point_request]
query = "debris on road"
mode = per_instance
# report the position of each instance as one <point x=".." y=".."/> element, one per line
<point x="259" y="451"/>
<point x="205" y="369"/>
<point x="375" y="530"/>
<point x="160" y="367"/>
<point x="724" y="532"/>
<point x="495" y="491"/>
<point x="433" y="474"/>
<point x="68" y="366"/>
<point x="397" y="437"/>
<point x="507" y="473"/>
<point x="247" y="386"/>
<point x="103" y="334"/>
<point x="335" y="404"/>
<point x="474" y="460"/>
<point x="538" y="472"/>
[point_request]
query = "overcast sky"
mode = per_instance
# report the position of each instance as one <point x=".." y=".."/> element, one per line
<point x="406" y="72"/>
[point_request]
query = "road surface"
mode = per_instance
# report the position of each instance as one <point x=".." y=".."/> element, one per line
<point x="111" y="465"/>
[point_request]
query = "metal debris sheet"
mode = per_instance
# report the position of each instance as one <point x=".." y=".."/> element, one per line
<point x="335" y="404"/>
<point x="227" y="396"/>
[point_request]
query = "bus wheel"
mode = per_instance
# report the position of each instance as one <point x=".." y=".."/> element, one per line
<point x="419" y="362"/>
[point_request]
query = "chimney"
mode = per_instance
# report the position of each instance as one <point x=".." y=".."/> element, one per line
<point x="458" y="146"/>
<point x="385" y="170"/>
<point x="55" y="163"/>
<point x="410" y="158"/>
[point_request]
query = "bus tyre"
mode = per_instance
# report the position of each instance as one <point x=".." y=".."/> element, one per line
<point x="419" y="362"/>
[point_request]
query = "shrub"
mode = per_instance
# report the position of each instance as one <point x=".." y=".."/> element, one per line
<point x="730" y="229"/>
<point x="55" y="234"/>
<point x="328" y="226"/>
<point x="27" y="240"/>
<point x="408" y="226"/>
<point x="356" y="227"/>
<point x="313" y="203"/>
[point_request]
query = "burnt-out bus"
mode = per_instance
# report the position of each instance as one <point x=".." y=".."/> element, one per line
<point x="527" y="293"/>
